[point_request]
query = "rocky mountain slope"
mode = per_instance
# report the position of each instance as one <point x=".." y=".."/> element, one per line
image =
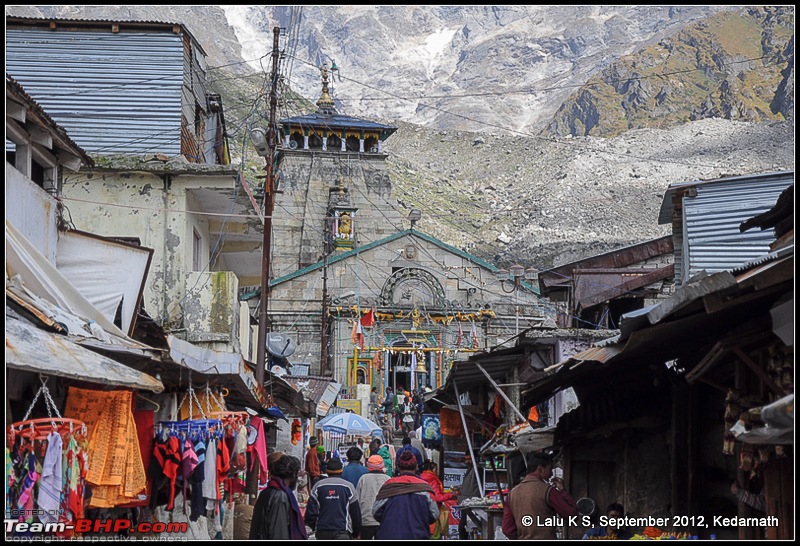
<point x="549" y="201"/>
<point x="507" y="192"/>
<point x="734" y="65"/>
<point x="460" y="67"/>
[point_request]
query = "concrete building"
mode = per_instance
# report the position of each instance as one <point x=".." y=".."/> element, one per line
<point x="161" y="178"/>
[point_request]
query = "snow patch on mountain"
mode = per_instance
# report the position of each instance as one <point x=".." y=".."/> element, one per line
<point x="255" y="42"/>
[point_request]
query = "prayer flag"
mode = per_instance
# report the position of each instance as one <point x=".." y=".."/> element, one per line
<point x="358" y="334"/>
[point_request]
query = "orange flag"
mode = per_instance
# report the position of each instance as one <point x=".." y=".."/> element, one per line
<point x="358" y="334"/>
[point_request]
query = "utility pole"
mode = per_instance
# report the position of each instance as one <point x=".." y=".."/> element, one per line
<point x="323" y="353"/>
<point x="269" y="207"/>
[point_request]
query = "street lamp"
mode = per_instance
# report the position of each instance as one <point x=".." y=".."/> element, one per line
<point x="513" y="276"/>
<point x="259" y="139"/>
<point x="414" y="216"/>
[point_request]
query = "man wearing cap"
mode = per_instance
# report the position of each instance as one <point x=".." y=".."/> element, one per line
<point x="332" y="510"/>
<point x="532" y="506"/>
<point x="413" y="450"/>
<point x="403" y="505"/>
<point x="366" y="490"/>
<point x="312" y="463"/>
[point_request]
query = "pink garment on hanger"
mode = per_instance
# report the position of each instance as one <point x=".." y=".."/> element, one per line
<point x="190" y="460"/>
<point x="260" y="448"/>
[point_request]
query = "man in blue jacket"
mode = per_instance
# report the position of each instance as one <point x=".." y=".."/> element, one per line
<point x="414" y="451"/>
<point x="333" y="511"/>
<point x="354" y="469"/>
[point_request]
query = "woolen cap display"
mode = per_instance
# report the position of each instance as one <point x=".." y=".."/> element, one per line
<point x="335" y="466"/>
<point x="407" y="461"/>
<point x="375" y="462"/>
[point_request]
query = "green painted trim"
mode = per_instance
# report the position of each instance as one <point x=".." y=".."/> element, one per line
<point x="345" y="255"/>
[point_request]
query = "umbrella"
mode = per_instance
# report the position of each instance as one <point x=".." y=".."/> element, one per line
<point x="348" y="423"/>
<point x="275" y="411"/>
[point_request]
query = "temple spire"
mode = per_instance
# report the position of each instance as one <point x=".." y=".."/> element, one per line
<point x="325" y="103"/>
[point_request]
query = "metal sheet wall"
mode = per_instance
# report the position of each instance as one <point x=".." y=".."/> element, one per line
<point x="712" y="219"/>
<point x="114" y="93"/>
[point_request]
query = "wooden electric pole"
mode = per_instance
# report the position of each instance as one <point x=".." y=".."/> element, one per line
<point x="323" y="353"/>
<point x="269" y="207"/>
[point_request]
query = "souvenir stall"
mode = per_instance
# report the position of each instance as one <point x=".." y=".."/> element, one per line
<point x="474" y="411"/>
<point x="203" y="464"/>
<point x="46" y="466"/>
<point x="109" y="456"/>
<point x="462" y="434"/>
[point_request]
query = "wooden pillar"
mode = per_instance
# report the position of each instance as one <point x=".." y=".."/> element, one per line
<point x="779" y="496"/>
<point x="679" y="446"/>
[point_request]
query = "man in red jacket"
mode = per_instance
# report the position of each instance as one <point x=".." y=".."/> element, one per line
<point x="312" y="463"/>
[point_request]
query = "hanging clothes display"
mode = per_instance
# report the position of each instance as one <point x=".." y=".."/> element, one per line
<point x="179" y="448"/>
<point x="116" y="473"/>
<point x="145" y="434"/>
<point x="49" y="499"/>
<point x="46" y="465"/>
<point x="257" y="446"/>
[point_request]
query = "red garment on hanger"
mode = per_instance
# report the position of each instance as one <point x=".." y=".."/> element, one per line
<point x="168" y="456"/>
<point x="223" y="464"/>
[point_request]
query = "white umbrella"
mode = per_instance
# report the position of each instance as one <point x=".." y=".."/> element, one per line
<point x="348" y="423"/>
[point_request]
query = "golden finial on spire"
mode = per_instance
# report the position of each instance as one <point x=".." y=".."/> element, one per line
<point x="325" y="103"/>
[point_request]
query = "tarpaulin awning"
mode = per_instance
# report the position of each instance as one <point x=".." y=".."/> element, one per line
<point x="31" y="349"/>
<point x="42" y="279"/>
<point x="219" y="368"/>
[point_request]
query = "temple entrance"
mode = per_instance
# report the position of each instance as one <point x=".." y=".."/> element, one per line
<point x="405" y="367"/>
<point x="400" y="369"/>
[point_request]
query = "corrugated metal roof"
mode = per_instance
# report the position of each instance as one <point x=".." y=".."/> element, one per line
<point x="114" y="93"/>
<point x="467" y="375"/>
<point x="712" y="219"/>
<point x="16" y="91"/>
<point x="104" y="23"/>
<point x="31" y="349"/>
<point x="618" y="258"/>
<point x="667" y="203"/>
<point x="320" y="390"/>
